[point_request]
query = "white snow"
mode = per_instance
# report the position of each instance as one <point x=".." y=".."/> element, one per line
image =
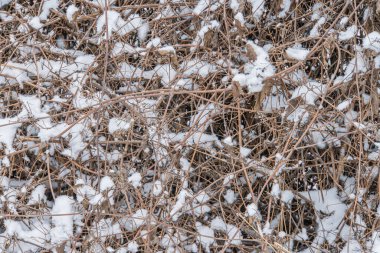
<point x="344" y="105"/>
<point x="228" y="179"/>
<point x="201" y="6"/>
<point x="230" y="196"/>
<point x="166" y="72"/>
<point x="240" y="18"/>
<point x="276" y="190"/>
<point x="358" y="64"/>
<point x="285" y="7"/>
<point x="76" y="142"/>
<point x="175" y="212"/>
<point x="112" y="19"/>
<point x="121" y="48"/>
<point x="206" y="236"/>
<point x="255" y="72"/>
<point x="133" y="247"/>
<point x="366" y="98"/>
<point x="315" y="31"/>
<point x="135" y="179"/>
<point x="287" y="196"/>
<point x="5" y="17"/>
<point x="199" y="39"/>
<point x="202" y="197"/>
<point x="8" y="128"/>
<point x="372" y="41"/>
<point x="377" y="61"/>
<point x="274" y="102"/>
<point x="302" y="235"/>
<point x="107" y="186"/>
<point x="375" y="242"/>
<point x="329" y="204"/>
<point x="71" y="10"/>
<point x="117" y="125"/>
<point x="202" y="119"/>
<point x="15" y="71"/>
<point x="61" y="115"/>
<point x="343" y="21"/>
<point x="309" y="92"/>
<point x="35" y="23"/>
<point x="166" y="50"/>
<point x="115" y="23"/>
<point x="368" y="12"/>
<point x="37" y="195"/>
<point x="229" y="141"/>
<point x="233" y="233"/>
<point x="258" y="8"/>
<point x="4" y="182"/>
<point x="197" y="67"/>
<point x="348" y="34"/>
<point x="297" y="53"/>
<point x="143" y="30"/>
<point x="157" y="187"/>
<point x="47" y="6"/>
<point x="155" y="42"/>
<point x="62" y="219"/>
<point x="85" y="191"/>
<point x="29" y="239"/>
<point x="253" y="211"/>
<point x="234" y="5"/>
<point x="245" y="152"/>
<point x="137" y="220"/>
<point x="4" y="2"/>
<point x="352" y="246"/>
<point x="316" y="11"/>
<point x="104" y="228"/>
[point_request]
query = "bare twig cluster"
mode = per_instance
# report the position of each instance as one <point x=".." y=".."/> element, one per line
<point x="189" y="126"/>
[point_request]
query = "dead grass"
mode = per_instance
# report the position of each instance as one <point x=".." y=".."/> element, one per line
<point x="240" y="114"/>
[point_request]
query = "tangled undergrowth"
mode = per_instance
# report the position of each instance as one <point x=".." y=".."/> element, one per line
<point x="189" y="126"/>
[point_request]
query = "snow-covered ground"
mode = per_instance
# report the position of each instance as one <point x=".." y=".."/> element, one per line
<point x="189" y="126"/>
